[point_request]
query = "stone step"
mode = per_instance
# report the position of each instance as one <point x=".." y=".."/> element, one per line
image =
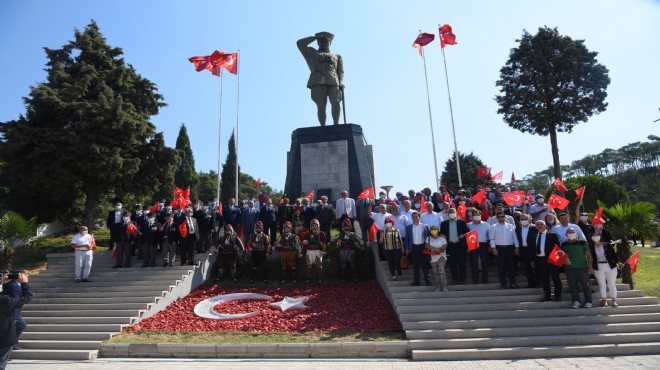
<point x="489" y="307"/>
<point x="86" y="306"/>
<point x="499" y="334"/>
<point x="80" y="313"/>
<point x="107" y="268"/>
<point x="103" y="284"/>
<point x="109" y="276"/>
<point x="103" y="294"/>
<point x="86" y="288"/>
<point x="492" y="284"/>
<point x="428" y="292"/>
<point x="406" y="288"/>
<point x="60" y="345"/>
<point x="77" y="320"/>
<point x="543" y="351"/>
<point x="73" y="328"/>
<point x="57" y="336"/>
<point x="54" y="354"/>
<point x="532" y="297"/>
<point x="109" y="299"/>
<point x="538" y="321"/>
<point x="549" y="311"/>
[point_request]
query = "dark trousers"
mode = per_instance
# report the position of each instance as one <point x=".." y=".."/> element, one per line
<point x="482" y="254"/>
<point x="506" y="258"/>
<point x="365" y="225"/>
<point x="578" y="279"/>
<point x="394" y="261"/>
<point x="187" y="246"/>
<point x="4" y="356"/>
<point x="203" y="244"/>
<point x="545" y="271"/>
<point x="149" y="254"/>
<point x="20" y="325"/>
<point x="527" y="255"/>
<point x="259" y="263"/>
<point x="271" y="231"/>
<point x="325" y="227"/>
<point x="422" y="260"/>
<point x="124" y="253"/>
<point x="457" y="258"/>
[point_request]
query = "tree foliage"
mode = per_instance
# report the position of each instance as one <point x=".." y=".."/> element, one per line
<point x="228" y="175"/>
<point x="549" y="84"/>
<point x="469" y="165"/>
<point x="185" y="174"/>
<point x="15" y="232"/>
<point x="86" y="132"/>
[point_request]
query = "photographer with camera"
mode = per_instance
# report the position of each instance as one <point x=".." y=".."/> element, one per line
<point x="8" y="304"/>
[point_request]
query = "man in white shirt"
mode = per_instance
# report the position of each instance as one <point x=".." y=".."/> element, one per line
<point x="379" y="221"/>
<point x="407" y="209"/>
<point x="83" y="246"/>
<point x="504" y="244"/>
<point x="345" y="207"/>
<point x="430" y="218"/>
<point x="483" y="232"/>
<point x="564" y="225"/>
<point x="508" y="219"/>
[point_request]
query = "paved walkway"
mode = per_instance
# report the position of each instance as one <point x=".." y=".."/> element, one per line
<point x="590" y="363"/>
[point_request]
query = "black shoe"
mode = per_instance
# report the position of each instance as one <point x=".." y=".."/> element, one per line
<point x="414" y="284"/>
<point x="282" y="282"/>
<point x="503" y="286"/>
<point x="251" y="281"/>
<point x="307" y="281"/>
<point x="234" y="280"/>
<point x="116" y="267"/>
<point x="343" y="280"/>
<point x="165" y="264"/>
<point x="145" y="266"/>
<point x="17" y="348"/>
<point x="294" y="281"/>
<point x="513" y="286"/>
<point x="183" y="263"/>
<point x="87" y="280"/>
<point x="546" y="299"/>
<point x="557" y="298"/>
<point x="78" y="280"/>
<point x="171" y="265"/>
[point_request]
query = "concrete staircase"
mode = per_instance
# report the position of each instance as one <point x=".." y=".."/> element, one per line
<point x="68" y="320"/>
<point x="479" y="322"/>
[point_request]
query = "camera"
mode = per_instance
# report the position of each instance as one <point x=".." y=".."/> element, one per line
<point x="14" y="275"/>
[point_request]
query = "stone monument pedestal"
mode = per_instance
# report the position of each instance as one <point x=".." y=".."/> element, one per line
<point x="329" y="159"/>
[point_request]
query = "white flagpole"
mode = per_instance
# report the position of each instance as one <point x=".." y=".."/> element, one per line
<point x="428" y="99"/>
<point x="217" y="192"/>
<point x="451" y="112"/>
<point x="238" y="95"/>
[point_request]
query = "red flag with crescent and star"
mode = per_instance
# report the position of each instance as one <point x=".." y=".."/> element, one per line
<point x="373" y="231"/>
<point x="498" y="176"/>
<point x="447" y="37"/>
<point x="472" y="239"/>
<point x="480" y="197"/>
<point x="310" y="195"/>
<point x="555" y="201"/>
<point x="446" y="197"/>
<point x="514" y="198"/>
<point x="257" y="183"/>
<point x="530" y="198"/>
<point x="559" y="185"/>
<point x="215" y="62"/>
<point x="558" y="257"/>
<point x="483" y="171"/>
<point x="366" y="194"/>
<point x="460" y="211"/>
<point x="580" y="192"/>
<point x="154" y="209"/>
<point x="183" y="229"/>
<point x="633" y="261"/>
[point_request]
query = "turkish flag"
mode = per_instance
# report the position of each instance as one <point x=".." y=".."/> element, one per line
<point x="514" y="198"/>
<point x="178" y="192"/>
<point x="498" y="176"/>
<point x="154" y="208"/>
<point x="186" y="193"/>
<point x="257" y="183"/>
<point x="558" y="257"/>
<point x="219" y="209"/>
<point x="530" y="198"/>
<point x="633" y="261"/>
<point x="422" y="205"/>
<point x="310" y="196"/>
<point x="580" y="192"/>
<point x="460" y="211"/>
<point x="183" y="229"/>
<point x="131" y="229"/>
<point x="480" y="197"/>
<point x="555" y="201"/>
<point x="366" y="194"/>
<point x="447" y="37"/>
<point x="373" y="231"/>
<point x="446" y="197"/>
<point x="472" y="239"/>
<point x="598" y="218"/>
<point x="483" y="171"/>
<point x="422" y="40"/>
<point x="559" y="185"/>
<point x="93" y="243"/>
<point x="228" y="61"/>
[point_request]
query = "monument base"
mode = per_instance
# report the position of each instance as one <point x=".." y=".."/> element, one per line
<point x="329" y="159"/>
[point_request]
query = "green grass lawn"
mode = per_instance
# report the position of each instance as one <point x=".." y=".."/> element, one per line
<point x="647" y="277"/>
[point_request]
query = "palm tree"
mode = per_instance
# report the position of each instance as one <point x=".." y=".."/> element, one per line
<point x="630" y="220"/>
<point x="15" y="232"/>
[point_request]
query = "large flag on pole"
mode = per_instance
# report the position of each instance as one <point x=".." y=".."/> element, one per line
<point x="497" y="176"/>
<point x="447" y="37"/>
<point x="422" y="40"/>
<point x="215" y="62"/>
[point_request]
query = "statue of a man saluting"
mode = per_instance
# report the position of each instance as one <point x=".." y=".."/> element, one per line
<point x="326" y="79"/>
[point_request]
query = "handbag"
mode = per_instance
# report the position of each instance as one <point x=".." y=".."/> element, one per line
<point x="405" y="262"/>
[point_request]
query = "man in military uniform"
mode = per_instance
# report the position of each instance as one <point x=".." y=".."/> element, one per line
<point x="326" y="80"/>
<point x="348" y="242"/>
<point x="259" y="244"/>
<point x="289" y="245"/>
<point x="316" y="243"/>
<point x="229" y="246"/>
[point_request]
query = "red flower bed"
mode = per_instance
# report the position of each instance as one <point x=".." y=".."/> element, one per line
<point x="361" y="307"/>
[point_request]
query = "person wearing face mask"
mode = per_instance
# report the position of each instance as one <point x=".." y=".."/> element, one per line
<point x="539" y="209"/>
<point x="551" y="221"/>
<point x="563" y="227"/>
<point x="438" y="247"/>
<point x="543" y="244"/>
<point x="454" y="230"/>
<point x="604" y="264"/>
<point x="582" y="220"/>
<point x="128" y="235"/>
<point x="483" y="230"/>
<point x="138" y="218"/>
<point x="187" y="242"/>
<point x="379" y="218"/>
<point x="392" y="243"/>
<point x="578" y="268"/>
<point x="170" y="232"/>
<point x="505" y="246"/>
<point x="83" y="246"/>
<point x="525" y="233"/>
<point x="113" y="223"/>
<point x="150" y="237"/>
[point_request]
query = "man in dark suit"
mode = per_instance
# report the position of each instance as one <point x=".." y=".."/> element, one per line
<point x="309" y="212"/>
<point x="8" y="335"/>
<point x="268" y="216"/>
<point x="150" y="238"/>
<point x="525" y="233"/>
<point x="249" y="219"/>
<point x="542" y="244"/>
<point x="416" y="234"/>
<point x="113" y="223"/>
<point x="12" y="288"/>
<point x="231" y="213"/>
<point x="125" y="241"/>
<point x="454" y="230"/>
<point x="326" y="215"/>
<point x="187" y="243"/>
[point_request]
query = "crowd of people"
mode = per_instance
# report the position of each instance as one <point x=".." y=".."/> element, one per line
<point x="425" y="227"/>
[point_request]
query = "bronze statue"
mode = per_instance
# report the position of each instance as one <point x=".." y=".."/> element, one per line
<point x="326" y="80"/>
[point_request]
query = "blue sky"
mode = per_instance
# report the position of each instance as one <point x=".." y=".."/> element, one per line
<point x="384" y="76"/>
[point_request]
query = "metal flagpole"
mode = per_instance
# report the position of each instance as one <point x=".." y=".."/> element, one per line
<point x="217" y="192"/>
<point x="238" y="95"/>
<point x="428" y="99"/>
<point x="451" y="112"/>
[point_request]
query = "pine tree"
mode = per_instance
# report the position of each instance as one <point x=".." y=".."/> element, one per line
<point x="86" y="133"/>
<point x="228" y="175"/>
<point x="469" y="165"/>
<point x="185" y="174"/>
